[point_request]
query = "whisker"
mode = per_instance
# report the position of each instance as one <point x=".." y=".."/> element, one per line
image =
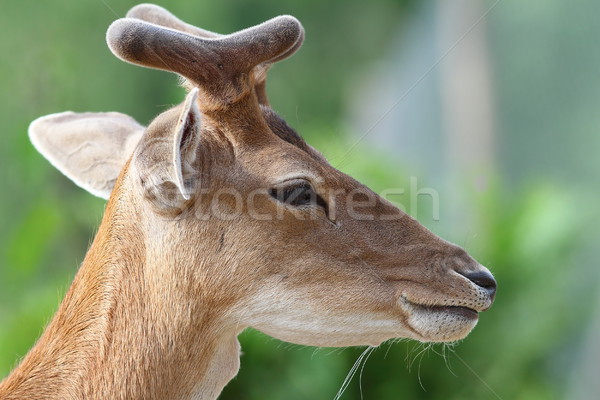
<point x="478" y="377"/>
<point x="361" y="371"/>
<point x="419" y="367"/>
<point x="447" y="357"/>
<point x="352" y="372"/>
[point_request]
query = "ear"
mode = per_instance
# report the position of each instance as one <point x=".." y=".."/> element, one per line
<point x="89" y="148"/>
<point x="165" y="158"/>
<point x="186" y="142"/>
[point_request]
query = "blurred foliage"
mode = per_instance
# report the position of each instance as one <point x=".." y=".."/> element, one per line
<point x="56" y="59"/>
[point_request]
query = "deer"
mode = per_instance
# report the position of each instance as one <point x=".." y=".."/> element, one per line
<point x="221" y="217"/>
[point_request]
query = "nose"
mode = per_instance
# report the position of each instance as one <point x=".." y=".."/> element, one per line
<point x="484" y="280"/>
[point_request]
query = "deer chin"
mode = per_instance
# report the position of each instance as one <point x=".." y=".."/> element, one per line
<point x="441" y="323"/>
<point x="336" y="331"/>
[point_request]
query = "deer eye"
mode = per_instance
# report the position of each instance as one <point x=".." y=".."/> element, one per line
<point x="298" y="195"/>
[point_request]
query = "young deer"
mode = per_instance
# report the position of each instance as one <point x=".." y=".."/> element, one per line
<point x="220" y="217"/>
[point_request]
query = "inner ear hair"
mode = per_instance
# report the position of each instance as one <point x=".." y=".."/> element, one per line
<point x="186" y="141"/>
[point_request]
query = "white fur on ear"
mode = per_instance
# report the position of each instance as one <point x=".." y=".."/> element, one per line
<point x="89" y="148"/>
<point x="186" y="139"/>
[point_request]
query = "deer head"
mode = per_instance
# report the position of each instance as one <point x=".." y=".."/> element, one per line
<point x="302" y="251"/>
<point x="235" y="213"/>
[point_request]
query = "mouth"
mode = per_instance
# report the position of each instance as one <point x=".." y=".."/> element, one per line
<point x="439" y="323"/>
<point x="459" y="311"/>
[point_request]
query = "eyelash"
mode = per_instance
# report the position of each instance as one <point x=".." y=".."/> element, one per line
<point x="298" y="195"/>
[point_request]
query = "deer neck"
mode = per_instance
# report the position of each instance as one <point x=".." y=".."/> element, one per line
<point x="122" y="332"/>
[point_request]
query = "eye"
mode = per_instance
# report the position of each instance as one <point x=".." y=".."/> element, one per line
<point x="298" y="194"/>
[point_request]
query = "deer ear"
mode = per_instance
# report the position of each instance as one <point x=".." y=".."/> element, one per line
<point x="186" y="142"/>
<point x="89" y="148"/>
<point x="165" y="158"/>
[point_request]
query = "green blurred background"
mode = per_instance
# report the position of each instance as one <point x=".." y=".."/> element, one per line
<point x="492" y="106"/>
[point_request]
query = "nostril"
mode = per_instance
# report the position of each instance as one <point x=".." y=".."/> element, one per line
<point x="483" y="279"/>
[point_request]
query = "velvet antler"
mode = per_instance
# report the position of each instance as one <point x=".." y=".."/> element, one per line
<point x="160" y="16"/>
<point x="224" y="67"/>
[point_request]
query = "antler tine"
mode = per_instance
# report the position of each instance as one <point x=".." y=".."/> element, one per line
<point x="160" y="16"/>
<point x="220" y="67"/>
<point x="261" y="71"/>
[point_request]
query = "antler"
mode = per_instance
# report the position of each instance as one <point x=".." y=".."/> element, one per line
<point x="223" y="67"/>
<point x="160" y="16"/>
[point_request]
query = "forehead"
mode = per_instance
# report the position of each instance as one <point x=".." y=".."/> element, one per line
<point x="280" y="159"/>
<point x="286" y="152"/>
